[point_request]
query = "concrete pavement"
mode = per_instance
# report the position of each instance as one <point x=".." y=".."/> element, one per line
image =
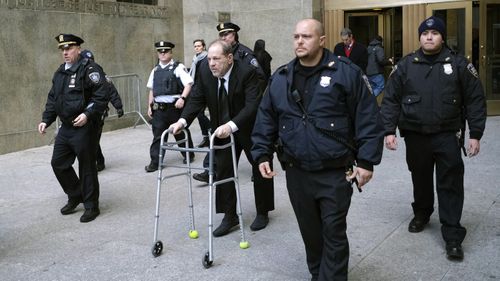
<point x="38" y="243"/>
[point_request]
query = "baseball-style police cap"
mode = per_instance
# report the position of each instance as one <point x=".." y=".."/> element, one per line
<point x="164" y="46"/>
<point x="227" y="27"/>
<point x="66" y="40"/>
<point x="87" y="54"/>
<point x="433" y="23"/>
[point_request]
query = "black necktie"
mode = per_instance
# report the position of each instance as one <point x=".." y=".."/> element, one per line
<point x="223" y="103"/>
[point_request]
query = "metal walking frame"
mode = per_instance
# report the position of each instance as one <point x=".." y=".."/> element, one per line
<point x="207" y="258"/>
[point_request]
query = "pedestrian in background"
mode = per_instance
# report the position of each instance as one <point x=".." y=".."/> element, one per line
<point x="430" y="95"/>
<point x="263" y="57"/>
<point x="78" y="97"/>
<point x="352" y="49"/>
<point x="376" y="64"/>
<point x="320" y="117"/>
<point x="200" y="53"/>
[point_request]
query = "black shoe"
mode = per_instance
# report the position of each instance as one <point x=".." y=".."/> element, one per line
<point x="90" y="214"/>
<point x="454" y="251"/>
<point x="100" y="166"/>
<point x="228" y="222"/>
<point x="203" y="177"/>
<point x="70" y="207"/>
<point x="260" y="222"/>
<point x="151" y="168"/>
<point x="204" y="143"/>
<point x="417" y="225"/>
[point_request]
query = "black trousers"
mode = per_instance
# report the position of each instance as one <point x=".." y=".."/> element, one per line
<point x="77" y="142"/>
<point x="100" y="156"/>
<point x="204" y="123"/>
<point x="321" y="201"/>
<point x="441" y="150"/>
<point x="162" y="119"/>
<point x="225" y="194"/>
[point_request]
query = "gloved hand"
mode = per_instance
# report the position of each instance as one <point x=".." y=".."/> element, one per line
<point x="119" y="112"/>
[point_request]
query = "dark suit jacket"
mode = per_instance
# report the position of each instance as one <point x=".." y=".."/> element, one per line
<point x="359" y="54"/>
<point x="243" y="94"/>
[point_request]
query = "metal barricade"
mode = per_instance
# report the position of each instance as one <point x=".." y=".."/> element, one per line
<point x="129" y="87"/>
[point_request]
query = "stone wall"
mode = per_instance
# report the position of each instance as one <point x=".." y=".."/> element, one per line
<point x="272" y="21"/>
<point x="120" y="34"/>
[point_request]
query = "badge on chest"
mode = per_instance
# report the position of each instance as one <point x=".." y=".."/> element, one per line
<point x="72" y="81"/>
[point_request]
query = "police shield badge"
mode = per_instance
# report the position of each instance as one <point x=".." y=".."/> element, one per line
<point x="447" y="68"/>
<point x="325" y="81"/>
<point x="95" y="77"/>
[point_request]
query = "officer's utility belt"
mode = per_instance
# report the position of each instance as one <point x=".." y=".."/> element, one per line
<point x="161" y="105"/>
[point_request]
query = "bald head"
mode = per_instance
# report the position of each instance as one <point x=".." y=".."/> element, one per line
<point x="315" y="25"/>
<point x="309" y="40"/>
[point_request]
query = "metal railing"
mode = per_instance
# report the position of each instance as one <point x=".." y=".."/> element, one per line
<point x="129" y="87"/>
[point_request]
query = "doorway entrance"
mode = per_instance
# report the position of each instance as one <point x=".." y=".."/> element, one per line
<point x="489" y="53"/>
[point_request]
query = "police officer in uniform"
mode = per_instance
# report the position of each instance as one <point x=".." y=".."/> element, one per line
<point x="78" y="98"/>
<point x="430" y="95"/>
<point x="228" y="32"/>
<point x="320" y="117"/>
<point x="169" y="84"/>
<point x="112" y="97"/>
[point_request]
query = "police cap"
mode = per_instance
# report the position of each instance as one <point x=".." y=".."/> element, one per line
<point x="66" y="40"/>
<point x="87" y="54"/>
<point x="227" y="27"/>
<point x="164" y="46"/>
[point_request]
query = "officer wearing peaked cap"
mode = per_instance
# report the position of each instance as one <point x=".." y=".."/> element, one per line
<point x="164" y="46"/>
<point x="228" y="32"/>
<point x="429" y="96"/>
<point x="78" y="98"/>
<point x="169" y="86"/>
<point x="66" y="40"/>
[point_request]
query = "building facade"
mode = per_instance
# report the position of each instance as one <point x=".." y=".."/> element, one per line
<point x="473" y="29"/>
<point x="121" y="34"/>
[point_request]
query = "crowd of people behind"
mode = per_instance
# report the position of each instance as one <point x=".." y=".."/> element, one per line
<point x="318" y="114"/>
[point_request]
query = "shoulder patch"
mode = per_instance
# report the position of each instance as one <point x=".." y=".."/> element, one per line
<point x="367" y="82"/>
<point x="394" y="68"/>
<point x="472" y="70"/>
<point x="254" y="62"/>
<point x="95" y="77"/>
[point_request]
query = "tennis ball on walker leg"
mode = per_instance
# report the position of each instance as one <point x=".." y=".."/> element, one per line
<point x="244" y="245"/>
<point x="193" y="234"/>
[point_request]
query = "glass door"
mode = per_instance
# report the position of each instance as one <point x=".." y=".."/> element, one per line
<point x="458" y="19"/>
<point x="489" y="53"/>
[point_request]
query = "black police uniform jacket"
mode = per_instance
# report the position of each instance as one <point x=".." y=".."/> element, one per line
<point x="246" y="55"/>
<point x="432" y="97"/>
<point x="82" y="88"/>
<point x="341" y="102"/>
